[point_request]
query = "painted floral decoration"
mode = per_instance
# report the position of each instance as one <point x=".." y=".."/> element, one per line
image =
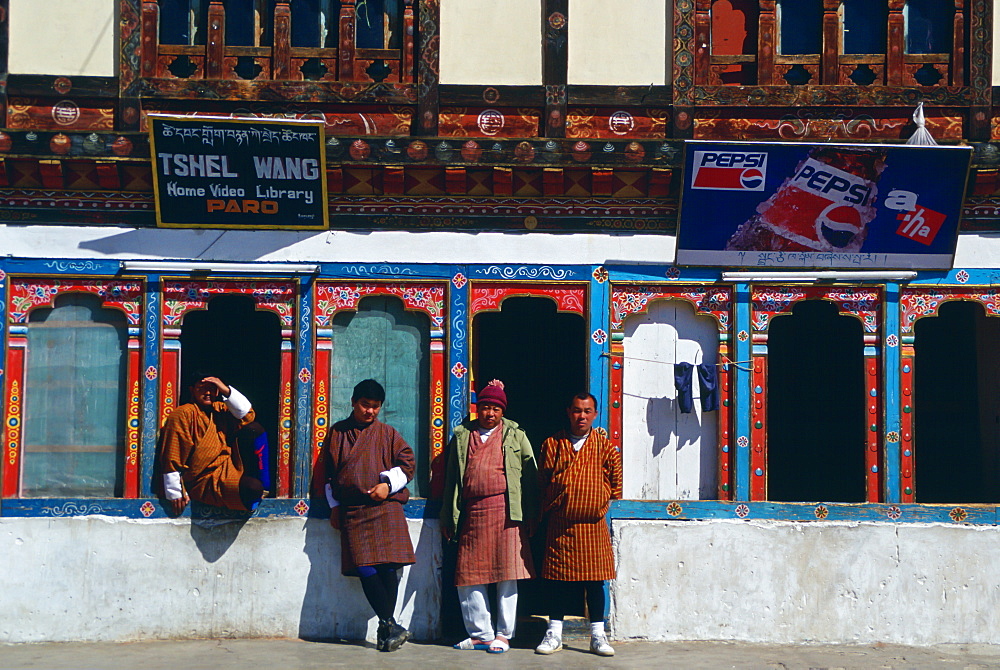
<point x="458" y="370"/>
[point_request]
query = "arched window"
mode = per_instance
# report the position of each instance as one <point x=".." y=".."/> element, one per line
<point x="75" y="400"/>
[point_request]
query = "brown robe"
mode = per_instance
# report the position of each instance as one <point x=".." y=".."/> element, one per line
<point x="202" y="447"/>
<point x="371" y="533"/>
<point x="577" y="487"/>
<point x="491" y="547"/>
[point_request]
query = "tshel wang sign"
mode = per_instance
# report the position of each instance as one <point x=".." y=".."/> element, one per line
<point x="238" y="173"/>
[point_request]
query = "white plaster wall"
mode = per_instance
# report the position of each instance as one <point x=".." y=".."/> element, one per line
<point x="331" y="246"/>
<point x="63" y="37"/>
<point x="102" y="578"/>
<point x="619" y="43"/>
<point x="784" y="582"/>
<point x="490" y="42"/>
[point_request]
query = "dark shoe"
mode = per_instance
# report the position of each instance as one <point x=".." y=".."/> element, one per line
<point x="396" y="637"/>
<point x="384" y="628"/>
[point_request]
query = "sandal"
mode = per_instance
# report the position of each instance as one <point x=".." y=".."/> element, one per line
<point x="498" y="646"/>
<point x="468" y="644"/>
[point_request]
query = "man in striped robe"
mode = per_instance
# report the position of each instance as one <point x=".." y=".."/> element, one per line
<point x="366" y="467"/>
<point x="581" y="472"/>
<point x="199" y="457"/>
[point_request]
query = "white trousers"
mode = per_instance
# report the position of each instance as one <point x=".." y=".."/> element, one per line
<point x="476" y="610"/>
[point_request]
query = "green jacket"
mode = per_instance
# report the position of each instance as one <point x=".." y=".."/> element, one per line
<point x="519" y="465"/>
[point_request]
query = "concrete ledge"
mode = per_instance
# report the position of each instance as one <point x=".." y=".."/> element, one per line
<point x="785" y="582"/>
<point x="100" y="578"/>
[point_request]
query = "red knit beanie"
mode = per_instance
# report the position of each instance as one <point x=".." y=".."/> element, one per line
<point x="493" y="393"/>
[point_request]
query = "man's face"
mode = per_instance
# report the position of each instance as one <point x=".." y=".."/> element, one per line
<point x="204" y="393"/>
<point x="581" y="415"/>
<point x="365" y="410"/>
<point x="489" y="415"/>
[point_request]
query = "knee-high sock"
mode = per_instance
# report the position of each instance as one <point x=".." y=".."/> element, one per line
<point x="375" y="592"/>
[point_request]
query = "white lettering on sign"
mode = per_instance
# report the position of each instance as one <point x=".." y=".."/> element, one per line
<point x="196" y="165"/>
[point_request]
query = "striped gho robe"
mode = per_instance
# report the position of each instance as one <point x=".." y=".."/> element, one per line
<point x="371" y="533"/>
<point x="201" y="446"/>
<point x="577" y="487"/>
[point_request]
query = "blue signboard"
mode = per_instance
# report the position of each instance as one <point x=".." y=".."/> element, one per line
<point x="238" y="173"/>
<point x="795" y="205"/>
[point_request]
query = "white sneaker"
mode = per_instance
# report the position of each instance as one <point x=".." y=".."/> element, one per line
<point x="599" y="645"/>
<point x="550" y="644"/>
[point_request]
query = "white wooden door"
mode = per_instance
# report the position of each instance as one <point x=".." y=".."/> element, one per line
<point x="667" y="455"/>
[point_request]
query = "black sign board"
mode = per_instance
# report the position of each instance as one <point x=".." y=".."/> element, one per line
<point x="238" y="173"/>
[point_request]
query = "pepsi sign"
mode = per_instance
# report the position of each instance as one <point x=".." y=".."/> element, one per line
<point x="798" y="205"/>
<point x="729" y="170"/>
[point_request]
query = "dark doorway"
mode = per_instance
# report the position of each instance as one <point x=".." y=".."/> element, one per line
<point x="243" y="347"/>
<point x="957" y="406"/>
<point x="816" y="406"/>
<point x="541" y="357"/>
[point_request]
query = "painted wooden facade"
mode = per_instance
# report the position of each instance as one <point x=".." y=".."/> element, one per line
<point x="406" y="152"/>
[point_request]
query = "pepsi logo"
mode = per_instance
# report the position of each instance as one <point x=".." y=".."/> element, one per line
<point x="752" y="179"/>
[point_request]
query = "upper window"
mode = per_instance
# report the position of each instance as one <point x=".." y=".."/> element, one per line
<point x="74" y="406"/>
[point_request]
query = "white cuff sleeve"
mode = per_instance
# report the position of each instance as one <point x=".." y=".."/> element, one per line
<point x="237" y="403"/>
<point x="172" y="486"/>
<point x="329" y="497"/>
<point x="395" y="478"/>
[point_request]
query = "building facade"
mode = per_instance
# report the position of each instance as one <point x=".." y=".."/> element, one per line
<point x="503" y="185"/>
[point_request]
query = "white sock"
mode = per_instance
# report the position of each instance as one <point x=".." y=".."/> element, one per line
<point x="596" y="628"/>
<point x="555" y="627"/>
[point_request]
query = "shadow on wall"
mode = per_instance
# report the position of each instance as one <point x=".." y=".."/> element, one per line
<point x="335" y="608"/>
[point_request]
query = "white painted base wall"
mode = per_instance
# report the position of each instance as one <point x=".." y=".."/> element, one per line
<point x="103" y="579"/>
<point x="786" y="582"/>
<point x="100" y="578"/>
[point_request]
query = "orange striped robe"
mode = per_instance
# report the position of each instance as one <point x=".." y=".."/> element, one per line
<point x="577" y="487"/>
<point x="202" y="447"/>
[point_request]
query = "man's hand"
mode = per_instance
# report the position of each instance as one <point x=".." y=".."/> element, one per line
<point x="379" y="492"/>
<point x="219" y="384"/>
<point x="446" y="531"/>
<point x="335" y="518"/>
<point x="176" y="507"/>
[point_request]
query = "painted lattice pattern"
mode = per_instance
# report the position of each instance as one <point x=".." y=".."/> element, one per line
<point x="332" y="298"/>
<point x="26" y="294"/>
<point x="630" y="299"/>
<point x="916" y="303"/>
<point x="568" y="298"/>
<point x="859" y="302"/>
<point x="181" y="297"/>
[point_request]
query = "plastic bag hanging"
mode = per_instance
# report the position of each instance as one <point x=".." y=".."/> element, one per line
<point x="921" y="136"/>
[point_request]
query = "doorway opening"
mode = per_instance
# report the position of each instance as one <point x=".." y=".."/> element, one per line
<point x="242" y="345"/>
<point x="957" y="406"/>
<point x="541" y="357"/>
<point x="816" y="406"/>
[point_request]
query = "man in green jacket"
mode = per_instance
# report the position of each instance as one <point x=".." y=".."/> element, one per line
<point x="490" y="498"/>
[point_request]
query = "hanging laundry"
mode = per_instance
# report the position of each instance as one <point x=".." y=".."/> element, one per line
<point x="708" y="382"/>
<point x="682" y="381"/>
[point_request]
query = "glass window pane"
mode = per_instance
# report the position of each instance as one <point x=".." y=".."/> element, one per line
<point x="385" y="342"/>
<point x="175" y="21"/>
<point x="801" y="27"/>
<point x="379" y="24"/>
<point x="928" y="26"/>
<point x="865" y="26"/>
<point x="74" y="407"/>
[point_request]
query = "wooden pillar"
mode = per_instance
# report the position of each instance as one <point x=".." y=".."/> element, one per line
<point x="17" y="345"/>
<point x="979" y="76"/>
<point x="346" y="41"/>
<point x="873" y="421"/>
<point x="284" y="446"/>
<point x="132" y="399"/>
<point x="215" y="45"/>
<point x="439" y="434"/>
<point x="150" y="39"/>
<point x="555" y="63"/>
<point x="829" y="60"/>
<point x="281" y="45"/>
<point x="428" y="64"/>
<point x="896" y="46"/>
<point x="957" y="65"/>
<point x="743" y="378"/>
<point x="151" y="384"/>
<point x="702" y="42"/>
<point x="767" y="41"/>
<point x="407" y="75"/>
<point x="905" y="489"/>
<point x="758" y="419"/>
<point x="724" y="417"/>
<point x="681" y="67"/>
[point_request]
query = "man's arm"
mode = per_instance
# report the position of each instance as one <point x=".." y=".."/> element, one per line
<point x="177" y="441"/>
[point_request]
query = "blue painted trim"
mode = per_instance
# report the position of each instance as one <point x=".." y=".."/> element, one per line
<point x="132" y="508"/>
<point x="150" y="387"/>
<point x="742" y="397"/>
<point x="891" y="381"/>
<point x="600" y="349"/>
<point x="659" y="273"/>
<point x="458" y="351"/>
<point x="534" y="272"/>
<point x="301" y="446"/>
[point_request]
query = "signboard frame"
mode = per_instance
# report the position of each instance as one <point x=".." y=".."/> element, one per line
<point x="730" y="199"/>
<point x="223" y="128"/>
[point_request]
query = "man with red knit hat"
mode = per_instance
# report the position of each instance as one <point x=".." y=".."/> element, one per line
<point x="491" y="484"/>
